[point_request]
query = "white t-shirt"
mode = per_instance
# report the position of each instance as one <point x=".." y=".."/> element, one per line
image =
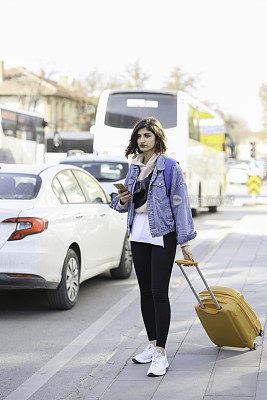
<point x="140" y="231"/>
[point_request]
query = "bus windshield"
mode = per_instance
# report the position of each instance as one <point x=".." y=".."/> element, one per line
<point x="125" y="109"/>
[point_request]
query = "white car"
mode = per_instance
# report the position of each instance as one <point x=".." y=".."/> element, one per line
<point x="106" y="169"/>
<point x="57" y="230"/>
<point x="238" y="174"/>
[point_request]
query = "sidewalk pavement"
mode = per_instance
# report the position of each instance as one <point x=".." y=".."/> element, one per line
<point x="198" y="369"/>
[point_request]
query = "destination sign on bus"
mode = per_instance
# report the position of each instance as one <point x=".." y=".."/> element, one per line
<point x="142" y="103"/>
<point x="8" y="115"/>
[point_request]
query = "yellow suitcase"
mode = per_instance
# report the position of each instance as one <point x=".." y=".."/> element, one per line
<point x="225" y="315"/>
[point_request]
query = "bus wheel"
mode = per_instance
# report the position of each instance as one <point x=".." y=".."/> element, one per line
<point x="196" y="211"/>
<point x="213" y="209"/>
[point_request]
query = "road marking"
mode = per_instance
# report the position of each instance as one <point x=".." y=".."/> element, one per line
<point x="39" y="378"/>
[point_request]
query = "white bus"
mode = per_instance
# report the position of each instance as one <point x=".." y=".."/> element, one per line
<point x="21" y="136"/>
<point x="195" y="136"/>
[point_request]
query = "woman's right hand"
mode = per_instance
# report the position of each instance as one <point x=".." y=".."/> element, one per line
<point x="124" y="196"/>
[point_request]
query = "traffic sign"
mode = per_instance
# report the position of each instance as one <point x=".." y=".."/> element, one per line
<point x="254" y="183"/>
<point x="254" y="178"/>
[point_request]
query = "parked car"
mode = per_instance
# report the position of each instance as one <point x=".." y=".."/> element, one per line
<point x="57" y="230"/>
<point x="257" y="167"/>
<point x="263" y="163"/>
<point x="238" y="173"/>
<point x="230" y="162"/>
<point x="106" y="170"/>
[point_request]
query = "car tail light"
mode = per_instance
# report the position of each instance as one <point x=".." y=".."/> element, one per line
<point x="184" y="175"/>
<point x="26" y="226"/>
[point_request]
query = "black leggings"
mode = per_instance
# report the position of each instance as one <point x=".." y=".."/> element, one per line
<point x="153" y="266"/>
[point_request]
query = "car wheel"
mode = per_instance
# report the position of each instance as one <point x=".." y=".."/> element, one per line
<point x="65" y="295"/>
<point x="124" y="269"/>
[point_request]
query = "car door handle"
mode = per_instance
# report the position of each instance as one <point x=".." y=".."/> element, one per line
<point x="78" y="216"/>
<point x="102" y="215"/>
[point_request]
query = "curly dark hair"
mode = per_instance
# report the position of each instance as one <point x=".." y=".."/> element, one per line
<point x="152" y="125"/>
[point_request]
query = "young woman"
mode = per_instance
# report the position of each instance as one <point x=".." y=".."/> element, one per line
<point x="157" y="221"/>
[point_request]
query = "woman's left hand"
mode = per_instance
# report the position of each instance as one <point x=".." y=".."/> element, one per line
<point x="187" y="253"/>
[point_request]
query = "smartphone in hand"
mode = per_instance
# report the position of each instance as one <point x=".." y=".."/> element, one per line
<point x="122" y="187"/>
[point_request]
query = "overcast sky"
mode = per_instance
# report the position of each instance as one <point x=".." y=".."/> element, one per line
<point x="225" y="41"/>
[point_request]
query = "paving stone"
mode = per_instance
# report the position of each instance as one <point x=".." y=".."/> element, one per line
<point x="182" y="385"/>
<point x="131" y="390"/>
<point x="263" y="374"/>
<point x="198" y="335"/>
<point x="261" y="393"/>
<point x="178" y="326"/>
<point x="237" y="381"/>
<point x="235" y="357"/>
<point x="188" y="315"/>
<point x="195" y="348"/>
<point x="178" y="330"/>
<point x="172" y="348"/>
<point x="192" y="362"/>
<point x="177" y="337"/>
<point x="228" y="398"/>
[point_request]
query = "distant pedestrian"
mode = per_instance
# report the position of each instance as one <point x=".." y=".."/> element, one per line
<point x="157" y="221"/>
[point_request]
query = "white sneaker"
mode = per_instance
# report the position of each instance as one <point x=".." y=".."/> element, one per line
<point x="159" y="364"/>
<point x="146" y="355"/>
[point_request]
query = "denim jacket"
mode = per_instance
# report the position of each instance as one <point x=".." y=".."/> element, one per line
<point x="165" y="214"/>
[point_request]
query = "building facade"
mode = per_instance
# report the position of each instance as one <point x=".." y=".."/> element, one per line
<point x="64" y="107"/>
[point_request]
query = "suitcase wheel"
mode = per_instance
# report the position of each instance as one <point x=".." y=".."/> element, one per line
<point x="261" y="333"/>
<point x="255" y="346"/>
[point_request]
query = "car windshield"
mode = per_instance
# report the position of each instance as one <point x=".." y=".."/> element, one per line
<point x="18" y="186"/>
<point x="125" y="109"/>
<point x="103" y="171"/>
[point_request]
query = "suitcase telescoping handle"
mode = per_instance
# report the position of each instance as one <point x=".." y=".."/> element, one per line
<point x="195" y="263"/>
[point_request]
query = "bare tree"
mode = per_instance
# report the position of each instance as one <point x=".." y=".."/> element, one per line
<point x="135" y="77"/>
<point x="179" y="80"/>
<point x="114" y="82"/>
<point x="94" y="82"/>
<point x="92" y="85"/>
<point x="235" y="126"/>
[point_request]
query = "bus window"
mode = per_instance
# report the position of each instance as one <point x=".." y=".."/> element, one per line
<point x="18" y="136"/>
<point x="30" y="135"/>
<point x="9" y="132"/>
<point x="193" y="124"/>
<point x="125" y="109"/>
